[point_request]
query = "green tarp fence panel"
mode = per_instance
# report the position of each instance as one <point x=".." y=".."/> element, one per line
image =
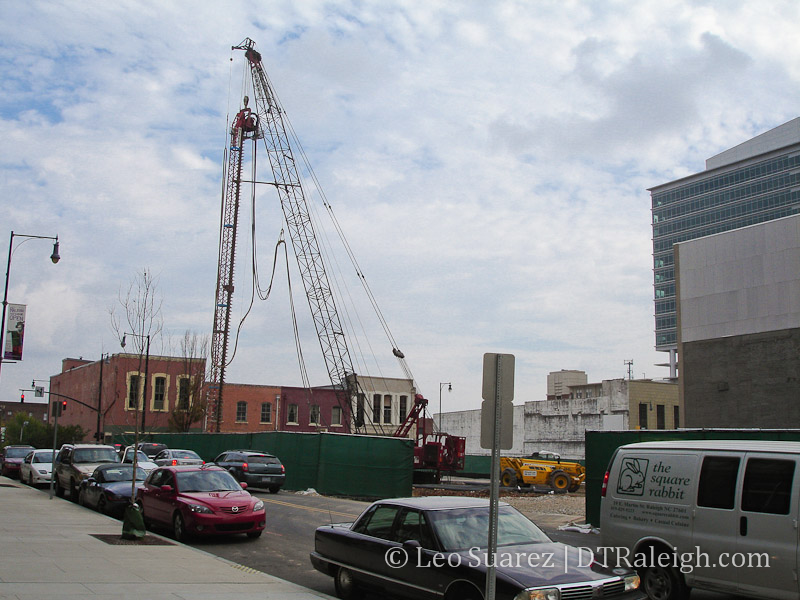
<point x="600" y="446"/>
<point x="330" y="463"/>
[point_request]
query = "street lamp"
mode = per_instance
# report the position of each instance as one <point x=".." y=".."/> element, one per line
<point x="55" y="257"/>
<point x="449" y="389"/>
<point x="146" y="365"/>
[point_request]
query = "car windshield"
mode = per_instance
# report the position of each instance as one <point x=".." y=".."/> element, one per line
<point x="140" y="457"/>
<point x="464" y="528"/>
<point x="95" y="455"/>
<point x="206" y="481"/>
<point x="43" y="457"/>
<point x="123" y="473"/>
<point x="267" y="460"/>
<point x="17" y="452"/>
<point x="184" y="454"/>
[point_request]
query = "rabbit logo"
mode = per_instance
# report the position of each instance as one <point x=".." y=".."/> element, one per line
<point x="632" y="475"/>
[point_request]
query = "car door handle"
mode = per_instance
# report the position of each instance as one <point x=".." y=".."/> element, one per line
<point x="742" y="526"/>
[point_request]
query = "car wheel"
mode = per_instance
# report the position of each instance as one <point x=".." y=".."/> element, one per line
<point x="663" y="583"/>
<point x="59" y="489"/>
<point x="102" y="505"/>
<point x="508" y="478"/>
<point x="253" y="535"/>
<point x="560" y="482"/>
<point x="345" y="585"/>
<point x="30" y="479"/>
<point x="179" y="528"/>
<point x="81" y="497"/>
<point x="274" y="489"/>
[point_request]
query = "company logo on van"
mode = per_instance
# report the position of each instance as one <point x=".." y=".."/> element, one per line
<point x="632" y="476"/>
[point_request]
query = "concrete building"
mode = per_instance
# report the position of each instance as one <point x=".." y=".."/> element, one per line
<point x="559" y="425"/>
<point x="754" y="182"/>
<point x="738" y="323"/>
<point x="384" y="403"/>
<point x="559" y="382"/>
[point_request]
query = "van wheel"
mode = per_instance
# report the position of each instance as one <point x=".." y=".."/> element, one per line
<point x="508" y="478"/>
<point x="560" y="482"/>
<point x="664" y="583"/>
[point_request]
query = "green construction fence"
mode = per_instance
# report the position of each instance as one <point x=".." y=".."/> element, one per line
<point x="600" y="447"/>
<point x="331" y="463"/>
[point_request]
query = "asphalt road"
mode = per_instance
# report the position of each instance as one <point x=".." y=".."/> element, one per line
<point x="288" y="539"/>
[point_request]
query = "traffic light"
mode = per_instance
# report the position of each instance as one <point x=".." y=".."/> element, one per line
<point x="63" y="406"/>
<point x="22" y="398"/>
<point x="56" y="408"/>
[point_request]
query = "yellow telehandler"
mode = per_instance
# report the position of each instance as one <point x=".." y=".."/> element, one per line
<point x="542" y="469"/>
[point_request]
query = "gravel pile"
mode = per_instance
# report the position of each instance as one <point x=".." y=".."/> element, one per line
<point x="552" y="504"/>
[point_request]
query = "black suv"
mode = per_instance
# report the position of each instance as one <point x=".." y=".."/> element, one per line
<point x="149" y="448"/>
<point x="257" y="469"/>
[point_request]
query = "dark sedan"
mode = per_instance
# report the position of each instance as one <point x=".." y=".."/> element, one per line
<point x="257" y="469"/>
<point x="108" y="489"/>
<point x="436" y="547"/>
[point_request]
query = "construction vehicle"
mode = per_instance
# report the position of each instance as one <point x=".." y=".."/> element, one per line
<point x="542" y="469"/>
<point x="266" y="121"/>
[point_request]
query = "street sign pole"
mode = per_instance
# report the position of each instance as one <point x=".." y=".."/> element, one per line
<point x="496" y="429"/>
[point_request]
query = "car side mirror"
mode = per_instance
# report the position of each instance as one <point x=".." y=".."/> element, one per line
<point x="411" y="546"/>
<point x="243" y="484"/>
<point x="167" y="489"/>
<point x="91" y="481"/>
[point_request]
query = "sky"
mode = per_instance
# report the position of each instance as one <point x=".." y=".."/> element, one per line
<point x="488" y="163"/>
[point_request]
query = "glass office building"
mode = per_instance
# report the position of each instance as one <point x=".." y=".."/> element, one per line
<point x="753" y="182"/>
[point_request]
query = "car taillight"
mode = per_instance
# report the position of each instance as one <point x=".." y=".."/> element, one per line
<point x="605" y="485"/>
<point x="244" y="467"/>
<point x="174" y="462"/>
<point x="283" y="469"/>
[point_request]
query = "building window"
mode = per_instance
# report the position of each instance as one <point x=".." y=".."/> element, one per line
<point x="133" y="392"/>
<point x="159" y="392"/>
<point x="183" y="393"/>
<point x="403" y="408"/>
<point x="336" y="416"/>
<point x="313" y="415"/>
<point x="642" y="416"/>
<point x="661" y="421"/>
<point x="376" y="408"/>
<point x="676" y="416"/>
<point x="387" y="409"/>
<point x="360" y="411"/>
<point x="241" y="412"/>
<point x="291" y="416"/>
<point x="266" y="412"/>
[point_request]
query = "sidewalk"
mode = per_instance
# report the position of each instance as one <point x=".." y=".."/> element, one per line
<point x="57" y="549"/>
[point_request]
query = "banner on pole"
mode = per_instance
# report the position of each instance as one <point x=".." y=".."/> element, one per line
<point x="15" y="332"/>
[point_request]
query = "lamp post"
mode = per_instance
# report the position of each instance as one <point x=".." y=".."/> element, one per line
<point x="146" y="365"/>
<point x="449" y="389"/>
<point x="54" y="257"/>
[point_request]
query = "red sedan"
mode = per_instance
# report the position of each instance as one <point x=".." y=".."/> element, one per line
<point x="200" y="500"/>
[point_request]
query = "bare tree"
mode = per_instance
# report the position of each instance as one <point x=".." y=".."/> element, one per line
<point x="138" y="321"/>
<point x="190" y="406"/>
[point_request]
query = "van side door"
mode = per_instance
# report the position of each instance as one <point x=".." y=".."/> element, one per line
<point x="715" y="522"/>
<point x="768" y="530"/>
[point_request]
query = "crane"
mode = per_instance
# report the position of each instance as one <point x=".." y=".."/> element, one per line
<point x="437" y="451"/>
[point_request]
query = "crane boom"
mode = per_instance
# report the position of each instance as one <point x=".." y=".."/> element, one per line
<point x="301" y="231"/>
<point x="244" y="123"/>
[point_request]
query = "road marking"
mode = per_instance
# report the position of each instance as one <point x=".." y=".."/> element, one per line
<point x="310" y="508"/>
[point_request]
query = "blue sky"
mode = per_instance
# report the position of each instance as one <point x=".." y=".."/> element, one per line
<point x="488" y="162"/>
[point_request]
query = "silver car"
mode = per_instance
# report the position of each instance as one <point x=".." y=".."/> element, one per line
<point x="172" y="457"/>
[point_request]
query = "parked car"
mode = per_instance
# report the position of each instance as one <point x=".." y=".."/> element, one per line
<point x="151" y="449"/>
<point x="142" y="460"/>
<point x="436" y="546"/>
<point x="173" y="457"/>
<point x="37" y="467"/>
<point x="200" y="500"/>
<point x="76" y="462"/>
<point x="108" y="490"/>
<point x="12" y="459"/>
<point x="257" y="469"/>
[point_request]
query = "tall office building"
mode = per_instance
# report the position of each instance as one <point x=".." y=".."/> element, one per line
<point x="756" y="181"/>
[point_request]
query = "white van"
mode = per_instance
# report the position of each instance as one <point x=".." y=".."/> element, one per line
<point x="705" y="514"/>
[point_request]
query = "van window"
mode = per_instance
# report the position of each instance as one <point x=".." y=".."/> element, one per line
<point x="717" y="487"/>
<point x="767" y="486"/>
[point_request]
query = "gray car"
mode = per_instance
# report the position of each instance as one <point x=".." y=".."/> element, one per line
<point x="172" y="457"/>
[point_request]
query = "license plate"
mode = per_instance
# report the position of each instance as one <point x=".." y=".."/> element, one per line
<point x="267" y="480"/>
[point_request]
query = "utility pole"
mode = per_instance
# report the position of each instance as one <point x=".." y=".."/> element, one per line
<point x="629" y="364"/>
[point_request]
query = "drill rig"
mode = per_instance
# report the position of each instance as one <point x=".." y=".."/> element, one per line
<point x="265" y="121"/>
